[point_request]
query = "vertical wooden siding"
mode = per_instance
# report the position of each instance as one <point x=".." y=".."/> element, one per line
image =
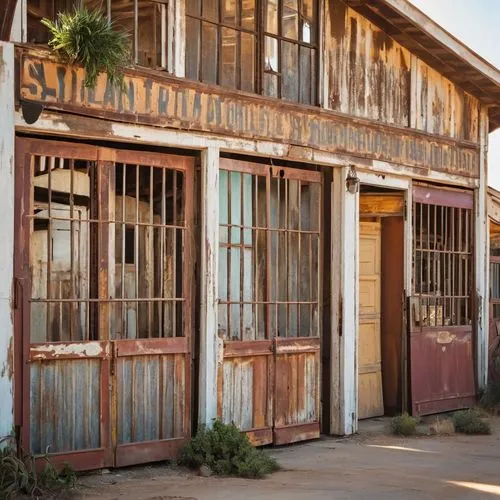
<point x="368" y="73"/>
<point x="443" y="108"/>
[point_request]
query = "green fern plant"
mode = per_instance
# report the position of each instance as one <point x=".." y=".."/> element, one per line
<point x="87" y="37"/>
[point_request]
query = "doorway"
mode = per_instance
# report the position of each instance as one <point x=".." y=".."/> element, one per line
<point x="381" y="302"/>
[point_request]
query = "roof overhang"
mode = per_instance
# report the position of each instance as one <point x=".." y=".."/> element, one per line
<point x="417" y="32"/>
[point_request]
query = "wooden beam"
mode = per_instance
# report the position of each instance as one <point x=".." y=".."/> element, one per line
<point x="210" y="344"/>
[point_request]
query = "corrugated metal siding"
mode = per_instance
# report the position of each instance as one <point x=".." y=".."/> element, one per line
<point x="65" y="398"/>
<point x="151" y="398"/>
<point x="368" y="72"/>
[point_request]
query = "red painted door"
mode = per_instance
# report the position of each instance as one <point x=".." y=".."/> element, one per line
<point x="441" y="311"/>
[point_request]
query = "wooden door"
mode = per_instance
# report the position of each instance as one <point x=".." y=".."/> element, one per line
<point x="104" y="303"/>
<point x="370" y="390"/>
<point x="269" y="301"/>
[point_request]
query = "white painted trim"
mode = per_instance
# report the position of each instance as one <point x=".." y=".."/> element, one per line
<point x="344" y="340"/>
<point x="178" y="38"/>
<point x="61" y="124"/>
<point x="210" y="347"/>
<point x="482" y="257"/>
<point x="7" y="190"/>
<point x="18" y="31"/>
<point x="381" y="180"/>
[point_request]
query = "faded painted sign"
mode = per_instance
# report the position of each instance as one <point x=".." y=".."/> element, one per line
<point x="168" y="102"/>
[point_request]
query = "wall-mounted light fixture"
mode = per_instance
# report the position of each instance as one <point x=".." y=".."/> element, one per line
<point x="352" y="180"/>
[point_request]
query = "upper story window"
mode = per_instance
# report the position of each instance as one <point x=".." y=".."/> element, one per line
<point x="144" y="20"/>
<point x="263" y="46"/>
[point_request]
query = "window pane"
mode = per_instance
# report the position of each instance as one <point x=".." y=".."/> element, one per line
<point x="228" y="57"/>
<point x="271" y="55"/>
<point x="290" y="27"/>
<point x="209" y="50"/>
<point x="228" y="12"/>
<point x="306" y="77"/>
<point x="272" y="16"/>
<point x="210" y="9"/>
<point x="193" y="7"/>
<point x="192" y="48"/>
<point x="270" y="86"/>
<point x="307" y="9"/>
<point x="248" y="14"/>
<point x="289" y="67"/>
<point x="149" y="43"/>
<point x="247" y="66"/>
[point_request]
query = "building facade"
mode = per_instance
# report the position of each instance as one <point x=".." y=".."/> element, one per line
<point x="281" y="221"/>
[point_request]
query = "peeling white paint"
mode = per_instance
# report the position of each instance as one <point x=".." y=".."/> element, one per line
<point x="7" y="72"/>
<point x="90" y="349"/>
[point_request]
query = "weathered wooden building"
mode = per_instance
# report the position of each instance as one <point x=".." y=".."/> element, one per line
<point x="280" y="222"/>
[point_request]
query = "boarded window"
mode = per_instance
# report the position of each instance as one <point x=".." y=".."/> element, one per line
<point x="107" y="245"/>
<point x="268" y="252"/>
<point x="144" y="20"/>
<point x="442" y="261"/>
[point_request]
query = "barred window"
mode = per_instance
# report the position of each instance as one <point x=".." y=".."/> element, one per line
<point x="442" y="265"/>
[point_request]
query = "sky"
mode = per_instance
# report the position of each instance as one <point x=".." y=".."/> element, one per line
<point x="475" y="23"/>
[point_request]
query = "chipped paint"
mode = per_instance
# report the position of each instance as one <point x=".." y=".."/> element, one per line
<point x="89" y="349"/>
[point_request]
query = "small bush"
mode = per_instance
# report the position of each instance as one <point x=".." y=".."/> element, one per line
<point x="226" y="451"/>
<point x="404" y="425"/>
<point x="470" y="422"/>
<point x="18" y="475"/>
<point x="87" y="37"/>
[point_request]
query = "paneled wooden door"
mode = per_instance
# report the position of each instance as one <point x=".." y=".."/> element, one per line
<point x="370" y="390"/>
<point x="269" y="313"/>
<point x="103" y="304"/>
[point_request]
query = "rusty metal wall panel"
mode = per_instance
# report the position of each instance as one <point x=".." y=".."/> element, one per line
<point x="368" y="72"/>
<point x="443" y="108"/>
<point x="151" y="398"/>
<point x="442" y="370"/>
<point x="65" y="405"/>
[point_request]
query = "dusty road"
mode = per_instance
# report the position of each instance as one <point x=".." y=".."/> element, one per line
<point x="371" y="466"/>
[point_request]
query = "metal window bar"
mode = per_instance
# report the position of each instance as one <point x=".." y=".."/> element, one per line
<point x="283" y="297"/>
<point x="67" y="210"/>
<point x="442" y="249"/>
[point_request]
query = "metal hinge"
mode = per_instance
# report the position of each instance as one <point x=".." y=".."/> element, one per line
<point x="406" y="210"/>
<point x="17" y="292"/>
<point x="340" y="317"/>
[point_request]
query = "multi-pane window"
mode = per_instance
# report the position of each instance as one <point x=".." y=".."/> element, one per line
<point x="290" y="50"/>
<point x="221" y="42"/>
<point x="264" y="46"/>
<point x="269" y="240"/>
<point x="442" y="265"/>
<point x="144" y="20"/>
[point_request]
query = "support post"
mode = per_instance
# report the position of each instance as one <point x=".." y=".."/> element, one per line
<point x="482" y="255"/>
<point x="345" y="311"/>
<point x="7" y="144"/>
<point x="209" y="341"/>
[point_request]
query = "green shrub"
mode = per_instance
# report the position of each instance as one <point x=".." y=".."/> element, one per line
<point x="226" y="451"/>
<point x="87" y="37"/>
<point x="470" y="422"/>
<point x="404" y="425"/>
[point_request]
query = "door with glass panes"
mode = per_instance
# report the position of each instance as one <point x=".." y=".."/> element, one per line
<point x="269" y="300"/>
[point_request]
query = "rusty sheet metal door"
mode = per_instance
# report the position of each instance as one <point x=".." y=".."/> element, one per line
<point x="269" y="301"/>
<point x="104" y="307"/>
<point x="152" y="313"/>
<point x="63" y="400"/>
<point x="441" y="312"/>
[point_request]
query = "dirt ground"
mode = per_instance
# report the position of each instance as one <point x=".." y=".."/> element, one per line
<point x="372" y="465"/>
